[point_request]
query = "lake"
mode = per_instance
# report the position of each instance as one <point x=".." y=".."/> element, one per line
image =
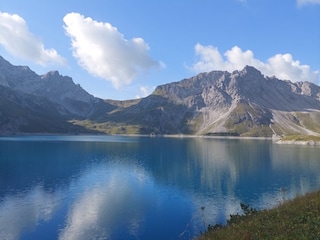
<point x="117" y="187"/>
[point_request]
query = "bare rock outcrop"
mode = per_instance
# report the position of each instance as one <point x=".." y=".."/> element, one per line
<point x="241" y="103"/>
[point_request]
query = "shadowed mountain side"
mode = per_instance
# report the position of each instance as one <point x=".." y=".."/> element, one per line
<point x="241" y="103"/>
<point x="30" y="103"/>
<point x="22" y="113"/>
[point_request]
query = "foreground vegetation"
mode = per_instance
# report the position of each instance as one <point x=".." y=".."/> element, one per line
<point x="294" y="219"/>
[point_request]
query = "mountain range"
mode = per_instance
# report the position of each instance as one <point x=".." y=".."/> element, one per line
<point x="241" y="103"/>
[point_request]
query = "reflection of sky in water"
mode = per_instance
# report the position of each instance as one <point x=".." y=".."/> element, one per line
<point x="107" y="195"/>
<point x="23" y="211"/>
<point x="135" y="188"/>
<point x="108" y="201"/>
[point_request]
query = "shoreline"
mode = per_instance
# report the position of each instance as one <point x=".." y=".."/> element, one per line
<point x="300" y="213"/>
<point x="297" y="142"/>
<point x="276" y="140"/>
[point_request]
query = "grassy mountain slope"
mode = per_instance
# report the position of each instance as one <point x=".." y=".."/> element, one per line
<point x="241" y="103"/>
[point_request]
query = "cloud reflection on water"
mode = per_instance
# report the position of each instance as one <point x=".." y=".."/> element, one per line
<point x="123" y="190"/>
<point x="253" y="172"/>
<point x="24" y="211"/>
<point x="108" y="195"/>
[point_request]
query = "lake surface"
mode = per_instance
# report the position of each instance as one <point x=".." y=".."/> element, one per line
<point x="115" y="187"/>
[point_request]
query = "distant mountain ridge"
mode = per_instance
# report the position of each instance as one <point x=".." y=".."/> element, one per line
<point x="52" y="86"/>
<point x="31" y="103"/>
<point x="241" y="103"/>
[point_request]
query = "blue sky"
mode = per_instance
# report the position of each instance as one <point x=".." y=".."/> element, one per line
<point x="123" y="49"/>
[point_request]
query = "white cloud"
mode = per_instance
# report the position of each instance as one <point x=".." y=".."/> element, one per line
<point x="104" y="52"/>
<point x="18" y="41"/>
<point x="282" y="66"/>
<point x="307" y="2"/>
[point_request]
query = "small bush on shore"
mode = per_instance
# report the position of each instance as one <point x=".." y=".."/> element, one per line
<point x="294" y="219"/>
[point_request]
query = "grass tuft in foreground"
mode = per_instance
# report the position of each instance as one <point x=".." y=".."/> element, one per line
<point x="295" y="219"/>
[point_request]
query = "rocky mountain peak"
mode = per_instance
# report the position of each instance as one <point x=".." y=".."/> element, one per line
<point x="55" y="78"/>
<point x="51" y="74"/>
<point x="6" y="67"/>
<point x="244" y="103"/>
<point x="52" y="86"/>
<point x="4" y="62"/>
<point x="249" y="70"/>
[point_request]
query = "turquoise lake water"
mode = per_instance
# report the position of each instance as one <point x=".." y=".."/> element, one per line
<point x="116" y="187"/>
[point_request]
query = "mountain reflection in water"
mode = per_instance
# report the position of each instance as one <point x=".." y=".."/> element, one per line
<point x="115" y="187"/>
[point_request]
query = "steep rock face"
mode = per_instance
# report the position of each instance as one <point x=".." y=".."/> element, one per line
<point x="30" y="103"/>
<point x="62" y="90"/>
<point x="216" y="101"/>
<point x="25" y="113"/>
<point x="244" y="103"/>
<point x="71" y="98"/>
